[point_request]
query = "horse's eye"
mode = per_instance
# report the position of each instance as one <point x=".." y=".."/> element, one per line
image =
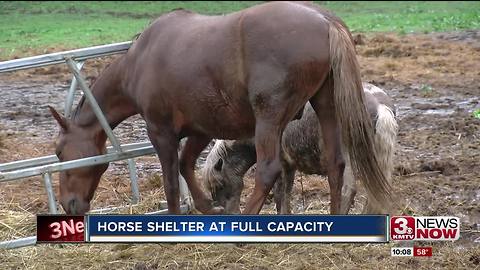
<point x="218" y="165"/>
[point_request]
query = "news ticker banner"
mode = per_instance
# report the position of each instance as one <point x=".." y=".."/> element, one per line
<point x="213" y="228"/>
<point x="241" y="228"/>
<point x="245" y="228"/>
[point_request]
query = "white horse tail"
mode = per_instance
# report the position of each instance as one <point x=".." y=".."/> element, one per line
<point x="385" y="139"/>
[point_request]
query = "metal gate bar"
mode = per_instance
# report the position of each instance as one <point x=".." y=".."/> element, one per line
<point x="32" y="240"/>
<point x="59" y="57"/>
<point x="47" y="165"/>
<point x="52" y="205"/>
<point x="71" y="93"/>
<point x="21" y="164"/>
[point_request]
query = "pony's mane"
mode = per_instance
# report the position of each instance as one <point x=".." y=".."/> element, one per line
<point x="238" y="155"/>
<point x="219" y="151"/>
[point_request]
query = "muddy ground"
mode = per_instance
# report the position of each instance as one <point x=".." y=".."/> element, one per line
<point x="435" y="82"/>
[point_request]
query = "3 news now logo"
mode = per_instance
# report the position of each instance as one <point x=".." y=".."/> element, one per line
<point x="424" y="228"/>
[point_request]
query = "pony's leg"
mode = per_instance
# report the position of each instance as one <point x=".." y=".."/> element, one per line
<point x="370" y="208"/>
<point x="288" y="176"/>
<point x="323" y="104"/>
<point x="166" y="145"/>
<point x="193" y="147"/>
<point x="278" y="193"/>
<point x="349" y="190"/>
<point x="283" y="189"/>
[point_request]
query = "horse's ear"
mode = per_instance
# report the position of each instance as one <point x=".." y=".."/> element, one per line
<point x="62" y="121"/>
<point x="218" y="165"/>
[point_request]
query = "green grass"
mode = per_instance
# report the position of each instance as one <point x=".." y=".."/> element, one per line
<point x="408" y="17"/>
<point x="35" y="25"/>
<point x="476" y="113"/>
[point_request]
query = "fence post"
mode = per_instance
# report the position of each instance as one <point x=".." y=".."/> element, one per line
<point x="71" y="93"/>
<point x="52" y="204"/>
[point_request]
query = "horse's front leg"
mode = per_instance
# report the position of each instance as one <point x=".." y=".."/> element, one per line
<point x="193" y="147"/>
<point x="165" y="142"/>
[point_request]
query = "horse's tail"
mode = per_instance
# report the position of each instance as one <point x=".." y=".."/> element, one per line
<point x="385" y="139"/>
<point x="355" y="122"/>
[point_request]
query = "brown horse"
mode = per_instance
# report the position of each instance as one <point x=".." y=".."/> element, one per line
<point x="229" y="77"/>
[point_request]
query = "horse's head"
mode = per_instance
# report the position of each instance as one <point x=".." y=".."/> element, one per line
<point x="225" y="186"/>
<point x="77" y="186"/>
<point x="223" y="172"/>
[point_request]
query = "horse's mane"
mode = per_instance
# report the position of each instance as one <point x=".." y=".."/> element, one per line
<point x="137" y="35"/>
<point x="236" y="154"/>
<point x="219" y="151"/>
<point x="81" y="102"/>
<point x="76" y="111"/>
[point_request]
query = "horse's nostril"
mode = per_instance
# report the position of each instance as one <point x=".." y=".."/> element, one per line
<point x="72" y="206"/>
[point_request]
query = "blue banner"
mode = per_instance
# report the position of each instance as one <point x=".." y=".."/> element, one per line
<point x="238" y="228"/>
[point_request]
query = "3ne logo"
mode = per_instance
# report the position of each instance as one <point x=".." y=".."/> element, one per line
<point x="424" y="228"/>
<point x="66" y="228"/>
<point x="60" y="228"/>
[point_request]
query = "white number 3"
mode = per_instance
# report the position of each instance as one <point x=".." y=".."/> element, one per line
<point x="56" y="230"/>
<point x="402" y="224"/>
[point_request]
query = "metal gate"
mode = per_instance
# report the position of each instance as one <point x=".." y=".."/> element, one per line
<point x="47" y="165"/>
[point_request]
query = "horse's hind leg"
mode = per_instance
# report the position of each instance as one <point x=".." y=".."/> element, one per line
<point x="273" y="112"/>
<point x="323" y="104"/>
<point x="269" y="167"/>
<point x="190" y="153"/>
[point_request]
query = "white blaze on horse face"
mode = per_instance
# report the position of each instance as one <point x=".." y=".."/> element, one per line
<point x="372" y="89"/>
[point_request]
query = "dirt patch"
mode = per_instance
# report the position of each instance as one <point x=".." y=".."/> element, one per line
<point x="434" y="81"/>
<point x="445" y="167"/>
<point x="420" y="59"/>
